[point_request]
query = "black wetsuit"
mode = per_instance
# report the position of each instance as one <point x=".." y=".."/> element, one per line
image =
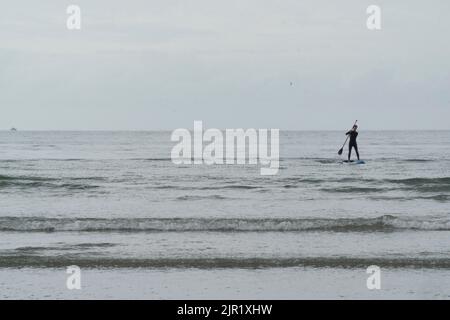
<point x="352" y="143"/>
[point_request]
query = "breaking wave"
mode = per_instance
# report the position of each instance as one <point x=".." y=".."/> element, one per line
<point x="383" y="223"/>
<point x="12" y="261"/>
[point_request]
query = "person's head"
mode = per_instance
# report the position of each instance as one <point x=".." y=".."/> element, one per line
<point x="355" y="127"/>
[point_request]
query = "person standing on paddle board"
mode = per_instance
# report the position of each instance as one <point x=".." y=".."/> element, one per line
<point x="352" y="144"/>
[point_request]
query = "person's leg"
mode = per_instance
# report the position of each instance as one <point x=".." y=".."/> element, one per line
<point x="349" y="150"/>
<point x="356" y="150"/>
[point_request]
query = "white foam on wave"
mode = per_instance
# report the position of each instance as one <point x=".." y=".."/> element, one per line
<point x="383" y="223"/>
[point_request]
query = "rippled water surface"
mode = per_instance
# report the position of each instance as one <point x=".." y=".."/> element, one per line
<point x="115" y="200"/>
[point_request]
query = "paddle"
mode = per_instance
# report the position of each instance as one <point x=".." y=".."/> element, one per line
<point x="342" y="149"/>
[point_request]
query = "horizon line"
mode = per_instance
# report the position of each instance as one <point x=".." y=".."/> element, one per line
<point x="168" y="130"/>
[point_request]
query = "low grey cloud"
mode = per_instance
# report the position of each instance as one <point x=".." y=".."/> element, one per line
<point x="281" y="64"/>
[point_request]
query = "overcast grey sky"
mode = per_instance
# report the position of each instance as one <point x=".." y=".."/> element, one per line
<point x="163" y="64"/>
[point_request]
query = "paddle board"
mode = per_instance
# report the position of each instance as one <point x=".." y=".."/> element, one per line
<point x="354" y="161"/>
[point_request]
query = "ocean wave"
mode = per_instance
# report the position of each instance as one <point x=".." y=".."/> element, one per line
<point x="427" y="185"/>
<point x="421" y="181"/>
<point x="62" y="261"/>
<point x="216" y="187"/>
<point x="208" y="197"/>
<point x="31" y="182"/>
<point x="438" y="184"/>
<point x="418" y="160"/>
<point x="305" y="180"/>
<point x="62" y="247"/>
<point x="357" y="189"/>
<point x="382" y="223"/>
<point x="437" y="197"/>
<point x="24" y="178"/>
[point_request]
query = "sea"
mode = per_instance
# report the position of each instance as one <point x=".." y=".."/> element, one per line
<point x="139" y="226"/>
